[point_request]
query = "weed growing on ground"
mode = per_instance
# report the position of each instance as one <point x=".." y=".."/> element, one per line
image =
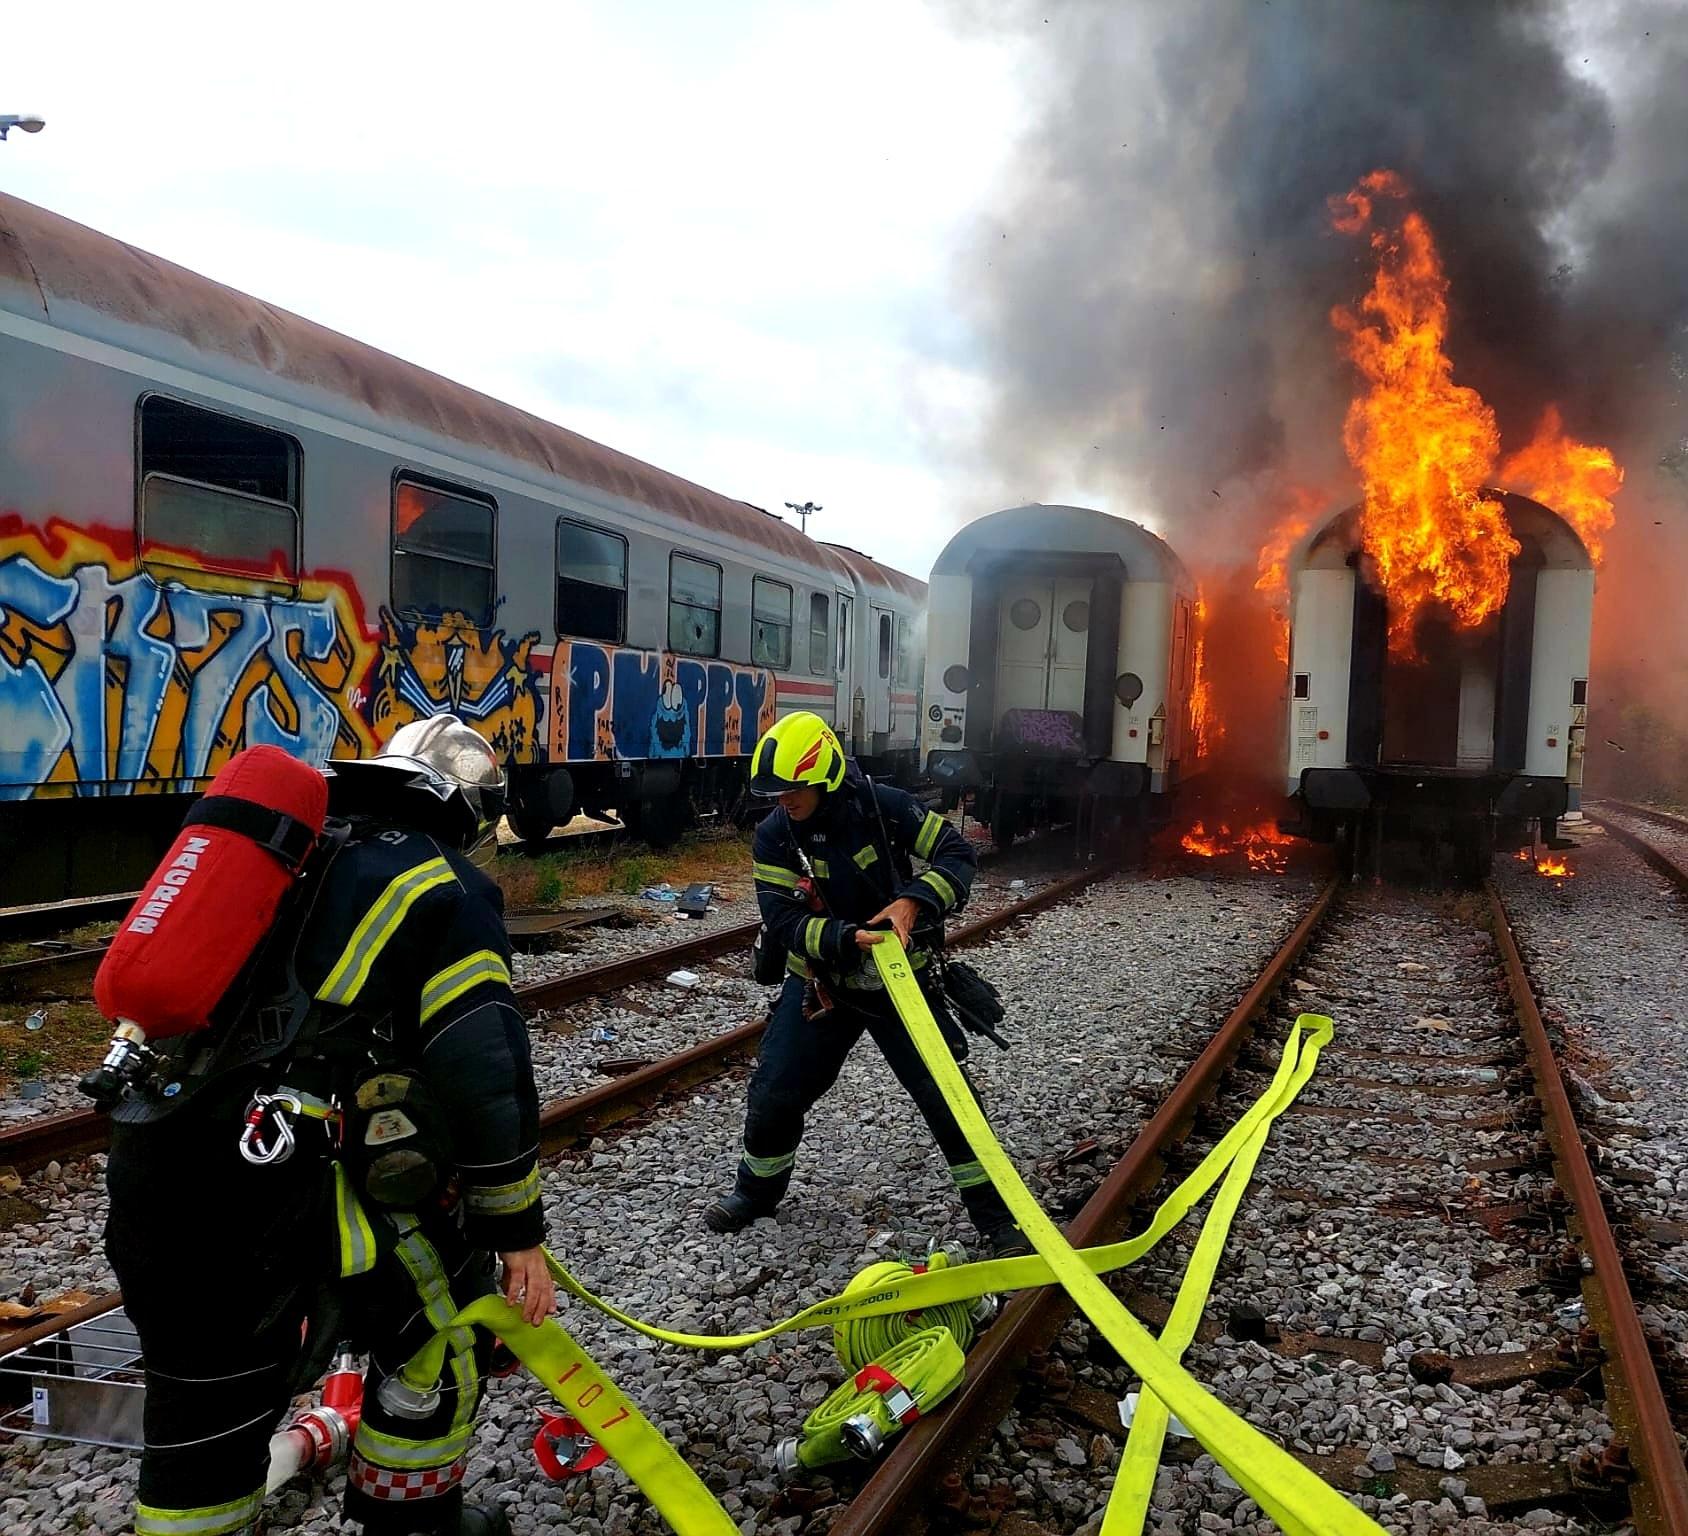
<point x="550" y="879"/>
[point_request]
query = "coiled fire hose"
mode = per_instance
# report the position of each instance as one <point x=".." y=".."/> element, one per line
<point x="900" y="1364"/>
<point x="857" y="1340"/>
<point x="894" y="1388"/>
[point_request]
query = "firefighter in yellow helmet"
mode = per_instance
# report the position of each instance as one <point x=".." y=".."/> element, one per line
<point x="833" y="863"/>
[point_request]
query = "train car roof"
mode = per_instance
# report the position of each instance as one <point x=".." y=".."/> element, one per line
<point x="64" y="272"/>
<point x="1548" y="536"/>
<point x="870" y="570"/>
<point x="1083" y="530"/>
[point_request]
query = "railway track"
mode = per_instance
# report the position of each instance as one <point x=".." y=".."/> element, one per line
<point x="79" y="1133"/>
<point x="941" y="1475"/>
<point x="949" y="1472"/>
<point x="1666" y="863"/>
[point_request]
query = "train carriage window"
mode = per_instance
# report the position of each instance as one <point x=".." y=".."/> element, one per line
<point x="884" y="645"/>
<point x="770" y="623"/>
<point x="694" y="606"/>
<point x="217" y="497"/>
<point x="443" y="552"/>
<point x="905" y="656"/>
<point x="591" y="583"/>
<point x="819" y="606"/>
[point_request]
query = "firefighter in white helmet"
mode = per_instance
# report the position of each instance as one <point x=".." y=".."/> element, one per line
<point x="387" y="1012"/>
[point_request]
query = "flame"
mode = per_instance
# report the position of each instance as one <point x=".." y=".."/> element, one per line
<point x="1424" y="445"/>
<point x="1578" y="480"/>
<point x="1554" y="868"/>
<point x="1205" y="725"/>
<point x="1525" y="856"/>
<point x="1273" y="563"/>
<point x="1261" y="844"/>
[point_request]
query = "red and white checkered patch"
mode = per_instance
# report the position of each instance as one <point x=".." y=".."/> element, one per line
<point x="384" y="1483"/>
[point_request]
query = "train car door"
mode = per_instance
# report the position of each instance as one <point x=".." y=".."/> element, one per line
<point x="884" y="665"/>
<point x="1042" y="639"/>
<point x="1069" y="641"/>
<point x="845" y="673"/>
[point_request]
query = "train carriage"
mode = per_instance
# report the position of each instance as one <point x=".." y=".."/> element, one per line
<point x="221" y="524"/>
<point x="1463" y="741"/>
<point x="882" y="653"/>
<point x="1060" y="668"/>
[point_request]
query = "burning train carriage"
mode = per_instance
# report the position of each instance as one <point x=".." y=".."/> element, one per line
<point x="1060" y="666"/>
<point x="1461" y="737"/>
<point x="221" y="524"/>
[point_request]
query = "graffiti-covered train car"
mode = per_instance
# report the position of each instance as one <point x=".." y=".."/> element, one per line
<point x="221" y="524"/>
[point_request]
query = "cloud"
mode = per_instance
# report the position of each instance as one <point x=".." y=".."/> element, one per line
<point x="715" y="237"/>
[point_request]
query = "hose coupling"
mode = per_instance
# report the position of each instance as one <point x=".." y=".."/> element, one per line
<point x="862" y="1436"/>
<point x="405" y="1401"/>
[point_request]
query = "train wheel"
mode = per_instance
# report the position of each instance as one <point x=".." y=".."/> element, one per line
<point x="531" y="826"/>
<point x="1005" y="820"/>
<point x="663" y="822"/>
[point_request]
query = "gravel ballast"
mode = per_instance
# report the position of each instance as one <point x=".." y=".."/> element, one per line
<point x="1107" y="996"/>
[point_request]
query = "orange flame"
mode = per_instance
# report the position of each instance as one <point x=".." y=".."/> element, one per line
<point x="1205" y="726"/>
<point x="1273" y="564"/>
<point x="1424" y="445"/>
<point x="1261" y="844"/>
<point x="1554" y="868"/>
<point x="1577" y="480"/>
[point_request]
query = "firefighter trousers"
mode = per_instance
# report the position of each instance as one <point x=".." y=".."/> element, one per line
<point x="221" y="1263"/>
<point x="800" y="1059"/>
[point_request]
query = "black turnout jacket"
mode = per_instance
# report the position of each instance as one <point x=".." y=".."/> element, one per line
<point x="842" y="848"/>
<point x="409" y="936"/>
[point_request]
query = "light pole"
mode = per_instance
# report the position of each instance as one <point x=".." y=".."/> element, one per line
<point x="30" y="122"/>
<point x="803" y="512"/>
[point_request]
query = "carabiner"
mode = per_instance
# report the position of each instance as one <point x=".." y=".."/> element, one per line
<point x="269" y="1106"/>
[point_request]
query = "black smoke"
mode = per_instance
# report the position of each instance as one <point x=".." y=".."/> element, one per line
<point x="1152" y="289"/>
<point x="1152" y="286"/>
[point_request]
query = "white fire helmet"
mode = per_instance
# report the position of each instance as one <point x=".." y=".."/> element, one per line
<point x="443" y="759"/>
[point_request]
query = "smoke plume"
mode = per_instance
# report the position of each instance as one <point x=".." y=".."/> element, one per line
<point x="1153" y="289"/>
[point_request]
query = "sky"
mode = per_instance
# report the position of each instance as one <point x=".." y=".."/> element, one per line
<point x="721" y="238"/>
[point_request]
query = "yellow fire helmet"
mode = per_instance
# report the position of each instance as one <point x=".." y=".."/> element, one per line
<point x="798" y="750"/>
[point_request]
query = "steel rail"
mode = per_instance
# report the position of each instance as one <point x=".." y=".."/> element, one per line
<point x="894" y="1500"/>
<point x="1634" y="1398"/>
<point x="80" y="1132"/>
<point x="562" y="1123"/>
<point x="1657" y="858"/>
<point x="1647" y="813"/>
<point x="27" y="978"/>
<point x="55" y="917"/>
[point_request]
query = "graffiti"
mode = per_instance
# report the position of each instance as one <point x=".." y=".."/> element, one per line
<point x="1057" y="731"/>
<point x="112" y="682"/>
<point x="621" y="703"/>
<point x="449" y="666"/>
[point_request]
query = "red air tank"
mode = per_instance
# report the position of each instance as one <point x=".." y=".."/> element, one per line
<point x="212" y="899"/>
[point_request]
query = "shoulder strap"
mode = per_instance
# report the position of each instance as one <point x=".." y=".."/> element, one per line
<point x="893" y="866"/>
<point x="289" y="840"/>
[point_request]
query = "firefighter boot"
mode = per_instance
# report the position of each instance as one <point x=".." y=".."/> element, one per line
<point x="734" y="1211"/>
<point x="483" y="1520"/>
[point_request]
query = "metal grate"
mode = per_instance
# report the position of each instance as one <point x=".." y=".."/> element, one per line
<point x="83" y="1385"/>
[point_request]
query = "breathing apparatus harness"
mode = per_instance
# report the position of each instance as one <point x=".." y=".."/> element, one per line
<point x="976" y="1003"/>
<point x="317" y="1062"/>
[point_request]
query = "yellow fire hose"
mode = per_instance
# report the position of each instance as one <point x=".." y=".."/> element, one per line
<point x="1294" y="1497"/>
<point x="858" y="1340"/>
<point x="903" y="1381"/>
